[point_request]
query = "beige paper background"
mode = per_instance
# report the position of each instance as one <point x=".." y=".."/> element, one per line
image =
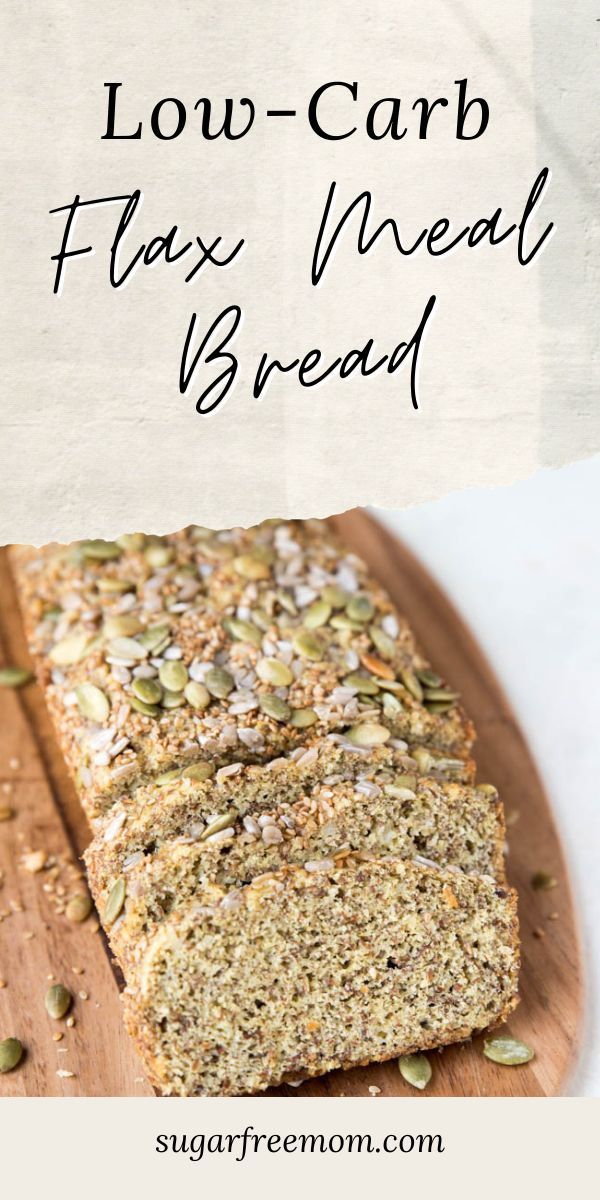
<point x="94" y="435"/>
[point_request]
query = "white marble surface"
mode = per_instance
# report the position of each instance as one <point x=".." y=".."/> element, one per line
<point x="522" y="564"/>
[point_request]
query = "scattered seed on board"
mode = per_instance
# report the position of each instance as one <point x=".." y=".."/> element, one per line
<point x="11" y="1053"/>
<point x="14" y="677"/>
<point x="78" y="907"/>
<point x="507" y="1051"/>
<point x="58" y="1001"/>
<point x="542" y="882"/>
<point x="415" y="1069"/>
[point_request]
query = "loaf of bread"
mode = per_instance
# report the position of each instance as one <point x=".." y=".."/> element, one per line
<point x="290" y="856"/>
<point x="156" y="653"/>
<point x="307" y="970"/>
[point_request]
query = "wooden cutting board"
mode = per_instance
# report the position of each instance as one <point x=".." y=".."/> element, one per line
<point x="37" y="941"/>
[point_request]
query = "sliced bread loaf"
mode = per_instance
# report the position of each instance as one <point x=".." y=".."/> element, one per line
<point x="449" y="823"/>
<point x="305" y="971"/>
<point x="187" y="805"/>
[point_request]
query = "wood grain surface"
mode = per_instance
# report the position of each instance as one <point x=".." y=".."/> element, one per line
<point x="48" y="817"/>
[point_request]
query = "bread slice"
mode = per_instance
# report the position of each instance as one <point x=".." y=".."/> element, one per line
<point x="305" y="971"/>
<point x="449" y="823"/>
<point x="281" y="631"/>
<point x="183" y="807"/>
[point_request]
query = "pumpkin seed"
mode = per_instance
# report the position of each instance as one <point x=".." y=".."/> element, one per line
<point x="78" y="908"/>
<point x="427" y="761"/>
<point x="363" y="683"/>
<point x="58" y="1001"/>
<point x="382" y="642"/>
<point x="542" y="882"/>
<point x="360" y="608"/>
<point x="158" y="554"/>
<point x="335" y="596"/>
<point x="429" y="678"/>
<point x="70" y="649"/>
<point x="250" y="566"/>
<point x="148" y="710"/>
<point x="113" y="586"/>
<point x="172" y="700"/>
<point x="219" y="682"/>
<point x="153" y="636"/>
<point x="199" y="772"/>
<point x="507" y="1051"/>
<point x="14" y="677"/>
<point x="262" y="619"/>
<point x="437" y="708"/>
<point x="196" y="694"/>
<point x="411" y="683"/>
<point x="442" y="694"/>
<point x="222" y="822"/>
<point x="287" y="603"/>
<point x="316" y="614"/>
<point x="402" y="784"/>
<point x="148" y="690"/>
<point x="343" y="621"/>
<point x="309" y="645"/>
<point x="92" y="703"/>
<point x="274" y="706"/>
<point x="121" y="626"/>
<point x="368" y="734"/>
<point x="168" y="777"/>
<point x="415" y="1069"/>
<point x="391" y="705"/>
<point x="243" y="631"/>
<point x="272" y="670"/>
<point x="11" y="1053"/>
<point x="128" y="648"/>
<point x="302" y="718"/>
<point x="173" y="675"/>
<point x="115" y="902"/>
<point x="131" y="541"/>
<point x="100" y="551"/>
